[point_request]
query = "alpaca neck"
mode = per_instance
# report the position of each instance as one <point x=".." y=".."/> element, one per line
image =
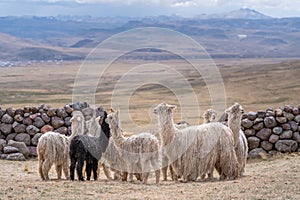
<point x="167" y="128"/>
<point x="234" y="123"/>
<point x="77" y="129"/>
<point x="117" y="135"/>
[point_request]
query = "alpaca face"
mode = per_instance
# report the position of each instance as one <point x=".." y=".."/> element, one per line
<point x="163" y="108"/>
<point x="77" y="117"/>
<point x="112" y="119"/>
<point x="236" y="109"/>
<point x="210" y="115"/>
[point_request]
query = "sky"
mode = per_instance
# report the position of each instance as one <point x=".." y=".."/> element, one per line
<point x="140" y="8"/>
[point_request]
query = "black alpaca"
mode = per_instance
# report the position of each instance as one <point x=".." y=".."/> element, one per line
<point x="88" y="148"/>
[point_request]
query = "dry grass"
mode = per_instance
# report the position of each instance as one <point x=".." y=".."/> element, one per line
<point x="272" y="178"/>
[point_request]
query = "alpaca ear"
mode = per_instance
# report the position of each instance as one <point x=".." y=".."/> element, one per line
<point x="173" y="107"/>
<point x="111" y="110"/>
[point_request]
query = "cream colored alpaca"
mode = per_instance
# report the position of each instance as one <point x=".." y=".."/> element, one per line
<point x="53" y="148"/>
<point x="235" y="113"/>
<point x="196" y="149"/>
<point x="139" y="151"/>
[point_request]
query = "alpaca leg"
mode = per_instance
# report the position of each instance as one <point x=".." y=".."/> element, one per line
<point x="72" y="168"/>
<point x="66" y="170"/>
<point x="46" y="168"/>
<point x="88" y="169"/>
<point x="124" y="176"/>
<point x="155" y="165"/>
<point x="131" y="177"/>
<point x="79" y="166"/>
<point x="173" y="175"/>
<point x="145" y="177"/>
<point x="164" y="168"/>
<point x="41" y="169"/>
<point x="58" y="171"/>
<point x="106" y="170"/>
<point x="95" y="168"/>
<point x="138" y="176"/>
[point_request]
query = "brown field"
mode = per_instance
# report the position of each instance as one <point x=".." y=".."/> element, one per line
<point x="272" y="178"/>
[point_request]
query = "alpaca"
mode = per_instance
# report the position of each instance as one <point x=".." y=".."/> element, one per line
<point x="196" y="149"/>
<point x="235" y="113"/>
<point x="138" y="151"/>
<point x="88" y="148"/>
<point x="54" y="148"/>
<point x="209" y="116"/>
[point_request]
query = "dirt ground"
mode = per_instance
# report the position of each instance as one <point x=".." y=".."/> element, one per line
<point x="269" y="178"/>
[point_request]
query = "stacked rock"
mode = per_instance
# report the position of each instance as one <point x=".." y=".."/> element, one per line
<point x="272" y="131"/>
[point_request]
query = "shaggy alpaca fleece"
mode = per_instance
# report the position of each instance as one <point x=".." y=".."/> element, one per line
<point x="194" y="150"/>
<point x="53" y="148"/>
<point x="139" y="151"/>
<point x="209" y="115"/>
<point x="88" y="148"/>
<point x="235" y="113"/>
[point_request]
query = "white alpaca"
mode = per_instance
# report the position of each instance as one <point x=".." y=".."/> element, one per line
<point x="196" y="149"/>
<point x="53" y="148"/>
<point x="235" y="113"/>
<point x="138" y="151"/>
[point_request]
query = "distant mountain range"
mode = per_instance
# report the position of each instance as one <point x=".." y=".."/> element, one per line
<point x="242" y="33"/>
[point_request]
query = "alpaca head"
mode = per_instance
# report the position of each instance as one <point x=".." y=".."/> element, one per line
<point x="77" y="117"/>
<point x="236" y="110"/>
<point x="163" y="109"/>
<point x="209" y="116"/>
<point x="113" y="119"/>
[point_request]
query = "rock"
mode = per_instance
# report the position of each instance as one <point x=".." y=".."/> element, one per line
<point x="14" y="125"/>
<point x="278" y="112"/>
<point x="253" y="142"/>
<point x="21" y="128"/>
<point x="27" y="121"/>
<point x="286" y="135"/>
<point x="18" y="118"/>
<point x="2" y="136"/>
<point x="10" y="137"/>
<point x="270" y="122"/>
<point x="32" y="151"/>
<point x="296" y="111"/>
<point x="246" y="123"/>
<point x="80" y="106"/>
<point x="286" y="126"/>
<point x="288" y="108"/>
<point x="264" y="133"/>
<point x="27" y="109"/>
<point x="244" y="116"/>
<point x="69" y="131"/>
<point x="5" y="128"/>
<point x="10" y="112"/>
<point x="68" y="109"/>
<point x="297" y="118"/>
<point x="45" y="107"/>
<point x="258" y="126"/>
<point x="51" y="112"/>
<point x="61" y="113"/>
<point x="277" y="130"/>
<point x="13" y="156"/>
<point x="10" y="149"/>
<point x="270" y="113"/>
<point x="33" y="116"/>
<point x="296" y="137"/>
<point x="6" y="118"/>
<point x="2" y="144"/>
<point x="23" y="137"/>
<point x="294" y="125"/>
<point x="261" y="114"/>
<point x="21" y="146"/>
<point x="45" y="118"/>
<point x="2" y="112"/>
<point x="257" y="153"/>
<point x="38" y="122"/>
<point x="26" y="115"/>
<point x="273" y="138"/>
<point x="258" y="120"/>
<point x="266" y="145"/>
<point x="289" y="116"/>
<point x="286" y="146"/>
<point x="249" y="132"/>
<point x="57" y="122"/>
<point x="281" y="120"/>
<point x="19" y="112"/>
<point x="46" y="128"/>
<point x="36" y="138"/>
<point x="252" y="115"/>
<point x="269" y="110"/>
<point x="67" y="121"/>
<point x="62" y="130"/>
<point x="34" y="109"/>
<point x="32" y="130"/>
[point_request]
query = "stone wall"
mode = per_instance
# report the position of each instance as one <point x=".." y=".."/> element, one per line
<point x="273" y="130"/>
<point x="267" y="131"/>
